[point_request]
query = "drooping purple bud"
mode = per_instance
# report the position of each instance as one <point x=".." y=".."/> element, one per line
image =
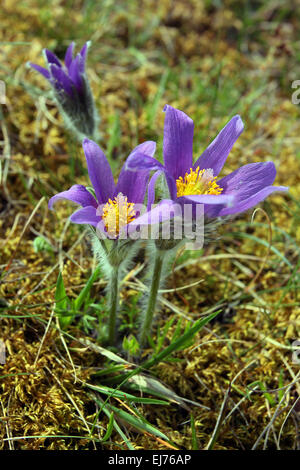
<point x="72" y="90"/>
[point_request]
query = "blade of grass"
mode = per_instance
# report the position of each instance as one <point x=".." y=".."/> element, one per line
<point x="219" y="422"/>
<point x="194" y="434"/>
<point x="110" y="428"/>
<point x="78" y="302"/>
<point x="176" y="345"/>
<point x="126" y="396"/>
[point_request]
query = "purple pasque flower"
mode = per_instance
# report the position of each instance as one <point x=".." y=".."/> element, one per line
<point x="71" y="88"/>
<point x="114" y="206"/>
<point x="196" y="183"/>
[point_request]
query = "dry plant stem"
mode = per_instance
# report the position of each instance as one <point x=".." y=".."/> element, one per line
<point x="155" y="283"/>
<point x="113" y="303"/>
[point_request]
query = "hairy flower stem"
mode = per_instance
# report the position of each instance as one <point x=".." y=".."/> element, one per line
<point x="113" y="303"/>
<point x="156" y="277"/>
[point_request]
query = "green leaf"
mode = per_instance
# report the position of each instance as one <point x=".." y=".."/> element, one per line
<point x="161" y="336"/>
<point x="110" y="428"/>
<point x="104" y="352"/>
<point x="108" y="413"/>
<point x="153" y="386"/>
<point x="108" y="370"/>
<point x="131" y="345"/>
<point x="62" y="303"/>
<point x="263" y="388"/>
<point x="267" y="395"/>
<point x="194" y="434"/>
<point x="78" y="302"/>
<point x="125" y="395"/>
<point x="40" y="244"/>
<point x="281" y="385"/>
<point x="139" y="423"/>
<point x="177" y="345"/>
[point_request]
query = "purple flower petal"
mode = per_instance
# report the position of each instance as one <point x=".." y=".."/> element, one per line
<point x="137" y="161"/>
<point x="60" y="80"/>
<point x="216" y="153"/>
<point x="244" y="183"/>
<point x="101" y="230"/>
<point x="76" y="193"/>
<point x="151" y="189"/>
<point x="208" y="199"/>
<point x="74" y="72"/>
<point x="83" y="54"/>
<point x="99" y="171"/>
<point x="212" y="203"/>
<point x="165" y="210"/>
<point x="41" y="70"/>
<point x="252" y="201"/>
<point x="69" y="54"/>
<point x="171" y="185"/>
<point x="248" y="179"/>
<point x="86" y="215"/>
<point x="132" y="184"/>
<point x="84" y="49"/>
<point x="178" y="142"/>
<point x="146" y="148"/>
<point x="140" y="161"/>
<point x="51" y="58"/>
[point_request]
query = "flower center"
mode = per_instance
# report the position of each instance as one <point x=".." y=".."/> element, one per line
<point x="198" y="182"/>
<point x="117" y="213"/>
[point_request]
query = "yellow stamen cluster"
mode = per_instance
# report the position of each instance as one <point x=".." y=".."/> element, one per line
<point x="197" y="182"/>
<point x="117" y="213"/>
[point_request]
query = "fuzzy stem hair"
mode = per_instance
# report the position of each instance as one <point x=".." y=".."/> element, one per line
<point x="157" y="271"/>
<point x="113" y="262"/>
<point x="113" y="291"/>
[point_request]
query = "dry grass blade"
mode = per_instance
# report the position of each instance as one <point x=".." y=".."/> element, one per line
<point x="219" y="422"/>
<point x="23" y="231"/>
